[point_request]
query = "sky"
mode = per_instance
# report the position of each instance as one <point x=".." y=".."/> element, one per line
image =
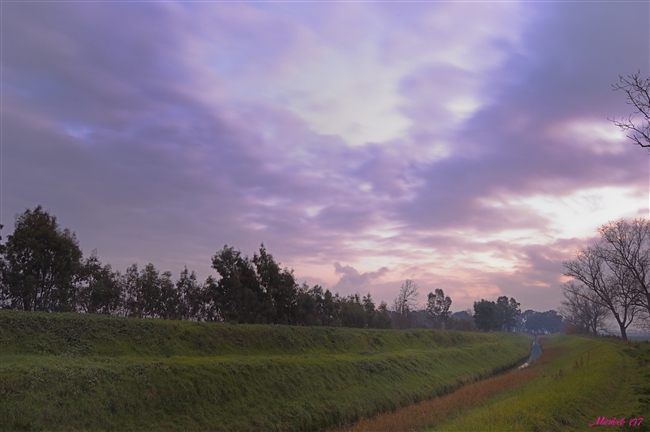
<point x="464" y="145"/>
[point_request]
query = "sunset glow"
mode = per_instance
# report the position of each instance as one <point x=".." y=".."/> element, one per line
<point x="463" y="145"/>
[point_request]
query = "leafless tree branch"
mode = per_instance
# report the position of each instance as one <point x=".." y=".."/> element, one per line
<point x="637" y="90"/>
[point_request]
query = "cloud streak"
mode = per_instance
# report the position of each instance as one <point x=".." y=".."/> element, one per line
<point x="464" y="146"/>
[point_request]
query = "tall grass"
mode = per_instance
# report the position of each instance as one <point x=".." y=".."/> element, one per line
<point x="590" y="379"/>
<point x="43" y="333"/>
<point x="428" y="413"/>
<point x="80" y="372"/>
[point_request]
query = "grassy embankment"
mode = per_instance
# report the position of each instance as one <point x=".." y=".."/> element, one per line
<point x="575" y="381"/>
<point x="81" y="372"/>
<point x="587" y="379"/>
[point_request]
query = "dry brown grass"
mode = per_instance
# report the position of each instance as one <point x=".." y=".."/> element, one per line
<point x="427" y="414"/>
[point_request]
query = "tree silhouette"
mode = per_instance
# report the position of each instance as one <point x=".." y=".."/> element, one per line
<point x="637" y="90"/>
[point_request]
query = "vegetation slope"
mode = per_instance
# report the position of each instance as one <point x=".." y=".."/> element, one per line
<point x="577" y="380"/>
<point x="94" y="372"/>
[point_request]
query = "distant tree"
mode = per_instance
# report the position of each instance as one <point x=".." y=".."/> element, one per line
<point x="369" y="309"/>
<point x="353" y="313"/>
<point x="486" y="316"/>
<point x="521" y="320"/>
<point x="142" y="289"/>
<point x="191" y="297"/>
<point x="637" y="90"/>
<point x="507" y="311"/>
<point x="625" y="247"/>
<point x="544" y="322"/>
<point x="583" y="309"/>
<point x="331" y="309"/>
<point x="438" y="308"/>
<point x="309" y="305"/>
<point x="462" y="321"/>
<point x="382" y="319"/>
<point x="40" y="264"/>
<point x="279" y="288"/>
<point x="237" y="295"/>
<point x="170" y="305"/>
<point x="404" y="304"/>
<point x="209" y="301"/>
<point x="612" y="285"/>
<point x="99" y="288"/>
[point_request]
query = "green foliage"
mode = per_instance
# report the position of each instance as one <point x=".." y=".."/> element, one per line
<point x="99" y="289"/>
<point x="507" y="311"/>
<point x="485" y="315"/>
<point x="41" y="269"/>
<point x="94" y="372"/>
<point x="438" y="308"/>
<point x="494" y="316"/>
<point x="39" y="264"/>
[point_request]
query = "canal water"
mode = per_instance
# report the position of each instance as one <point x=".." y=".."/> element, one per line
<point x="535" y="352"/>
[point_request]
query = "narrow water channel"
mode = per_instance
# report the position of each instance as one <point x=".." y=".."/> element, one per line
<point x="535" y="352"/>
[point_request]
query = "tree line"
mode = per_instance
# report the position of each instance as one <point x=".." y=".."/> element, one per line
<point x="499" y="315"/>
<point x="42" y="268"/>
<point x="611" y="279"/>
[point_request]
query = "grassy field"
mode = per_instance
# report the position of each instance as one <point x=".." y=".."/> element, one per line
<point x="576" y="381"/>
<point x="584" y="379"/>
<point x="88" y="372"/>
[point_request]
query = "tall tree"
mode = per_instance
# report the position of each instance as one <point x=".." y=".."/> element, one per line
<point x="331" y="308"/>
<point x="191" y="297"/>
<point x="353" y="313"/>
<point x="405" y="304"/>
<point x="507" y="311"/>
<point x="438" y="308"/>
<point x="612" y="285"/>
<point x="100" y="289"/>
<point x="278" y="286"/>
<point x="625" y="247"/>
<point x="382" y="319"/>
<point x="40" y="264"/>
<point x="237" y="295"/>
<point x="486" y="316"/>
<point x="309" y="304"/>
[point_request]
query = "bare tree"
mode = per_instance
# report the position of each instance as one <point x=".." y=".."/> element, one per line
<point x="612" y="285"/>
<point x="626" y="245"/>
<point x="637" y="90"/>
<point x="405" y="303"/>
<point x="582" y="309"/>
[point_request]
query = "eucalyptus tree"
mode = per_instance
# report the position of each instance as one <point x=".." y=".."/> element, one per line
<point x="40" y="264"/>
<point x="438" y="308"/>
<point x="486" y="316"/>
<point x="507" y="312"/>
<point x="99" y="289"/>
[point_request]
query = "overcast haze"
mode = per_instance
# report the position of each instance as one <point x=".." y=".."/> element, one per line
<point x="465" y="146"/>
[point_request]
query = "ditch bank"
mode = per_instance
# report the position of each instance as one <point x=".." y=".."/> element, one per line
<point x="156" y="375"/>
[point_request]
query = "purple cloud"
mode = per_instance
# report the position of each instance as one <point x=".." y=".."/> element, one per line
<point x="453" y="144"/>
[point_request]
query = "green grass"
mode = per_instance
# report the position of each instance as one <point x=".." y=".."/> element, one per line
<point x="589" y="379"/>
<point x="86" y="372"/>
